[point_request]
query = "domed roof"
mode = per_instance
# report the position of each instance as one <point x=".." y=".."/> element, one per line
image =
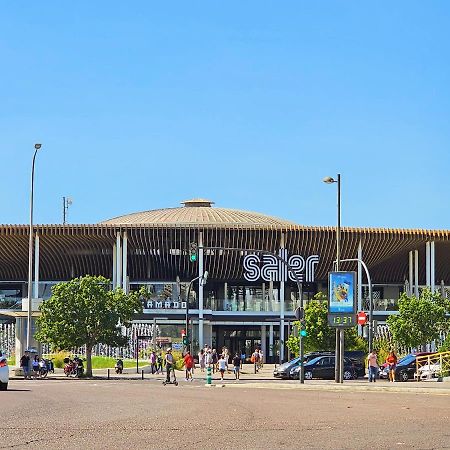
<point x="198" y="212"/>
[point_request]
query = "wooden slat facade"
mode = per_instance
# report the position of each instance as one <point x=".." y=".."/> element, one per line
<point x="74" y="250"/>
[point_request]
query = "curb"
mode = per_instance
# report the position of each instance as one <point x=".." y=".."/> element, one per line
<point x="355" y="389"/>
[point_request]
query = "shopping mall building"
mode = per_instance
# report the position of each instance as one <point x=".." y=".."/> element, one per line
<point x="249" y="297"/>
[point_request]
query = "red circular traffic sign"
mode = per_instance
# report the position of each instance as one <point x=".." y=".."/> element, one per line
<point x="362" y="318"/>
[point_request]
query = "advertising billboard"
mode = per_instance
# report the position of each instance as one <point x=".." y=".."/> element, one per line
<point x="342" y="293"/>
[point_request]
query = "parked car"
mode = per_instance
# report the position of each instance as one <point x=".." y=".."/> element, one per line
<point x="294" y="373"/>
<point x="284" y="370"/>
<point x="357" y="359"/>
<point x="324" y="367"/>
<point x="428" y="371"/>
<point x="4" y="372"/>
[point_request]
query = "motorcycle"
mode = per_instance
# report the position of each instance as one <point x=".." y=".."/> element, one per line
<point x="46" y="366"/>
<point x="119" y="366"/>
<point x="70" y="368"/>
<point x="79" y="367"/>
<point x="73" y="367"/>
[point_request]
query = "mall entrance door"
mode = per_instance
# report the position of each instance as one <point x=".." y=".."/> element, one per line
<point x="237" y="339"/>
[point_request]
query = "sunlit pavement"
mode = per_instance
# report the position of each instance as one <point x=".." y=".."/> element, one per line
<point x="107" y="414"/>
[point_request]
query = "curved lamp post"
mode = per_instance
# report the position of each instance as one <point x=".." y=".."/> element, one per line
<point x="339" y="353"/>
<point x="30" y="249"/>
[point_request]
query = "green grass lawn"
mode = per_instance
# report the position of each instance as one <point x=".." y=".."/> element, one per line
<point x="99" y="362"/>
<point x="104" y="362"/>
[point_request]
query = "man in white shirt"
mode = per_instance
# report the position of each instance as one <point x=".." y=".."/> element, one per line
<point x="222" y="366"/>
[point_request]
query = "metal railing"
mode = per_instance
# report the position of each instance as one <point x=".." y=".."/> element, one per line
<point x="436" y="365"/>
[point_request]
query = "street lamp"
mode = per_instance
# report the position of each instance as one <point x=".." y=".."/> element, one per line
<point x="30" y="249"/>
<point x="339" y="353"/>
<point x="203" y="278"/>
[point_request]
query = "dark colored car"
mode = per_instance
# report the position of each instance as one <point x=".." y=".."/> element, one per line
<point x="324" y="367"/>
<point x="406" y="367"/>
<point x="357" y="358"/>
<point x="284" y="370"/>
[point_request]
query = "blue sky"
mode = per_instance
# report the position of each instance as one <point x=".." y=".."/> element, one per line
<point x="140" y="105"/>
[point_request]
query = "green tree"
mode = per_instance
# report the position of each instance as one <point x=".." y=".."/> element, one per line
<point x="320" y="336"/>
<point x="420" y="320"/>
<point x="84" y="311"/>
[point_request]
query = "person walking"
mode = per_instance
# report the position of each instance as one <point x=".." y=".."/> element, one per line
<point x="237" y="366"/>
<point x="35" y="366"/>
<point x="255" y="359"/>
<point x="214" y="359"/>
<point x="243" y="356"/>
<point x="392" y="364"/>
<point x="223" y="365"/>
<point x="372" y="365"/>
<point x="169" y="364"/>
<point x="261" y="359"/>
<point x="188" y="364"/>
<point x="153" y="362"/>
<point x="208" y="358"/>
<point x="25" y="365"/>
<point x="202" y="360"/>
<point x="159" y="363"/>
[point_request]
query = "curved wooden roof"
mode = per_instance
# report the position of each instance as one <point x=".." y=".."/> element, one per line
<point x="198" y="215"/>
<point x="159" y="252"/>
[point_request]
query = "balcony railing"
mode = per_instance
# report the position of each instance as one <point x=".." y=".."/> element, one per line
<point x="381" y="304"/>
<point x="249" y="305"/>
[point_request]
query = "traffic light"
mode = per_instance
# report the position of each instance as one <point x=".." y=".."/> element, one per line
<point x="185" y="340"/>
<point x="303" y="332"/>
<point x="192" y="252"/>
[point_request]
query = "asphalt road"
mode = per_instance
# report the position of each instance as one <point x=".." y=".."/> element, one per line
<point x="144" y="414"/>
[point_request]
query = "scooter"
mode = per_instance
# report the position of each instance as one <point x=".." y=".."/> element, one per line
<point x="119" y="366"/>
<point x="174" y="381"/>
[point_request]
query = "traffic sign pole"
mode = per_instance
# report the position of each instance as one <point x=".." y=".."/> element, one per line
<point x="299" y="315"/>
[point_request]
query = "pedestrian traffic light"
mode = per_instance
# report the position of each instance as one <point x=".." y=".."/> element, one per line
<point x="192" y="252"/>
<point x="185" y="340"/>
<point x="303" y="332"/>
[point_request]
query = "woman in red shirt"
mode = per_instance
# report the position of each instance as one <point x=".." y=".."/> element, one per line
<point x="188" y="364"/>
<point x="392" y="363"/>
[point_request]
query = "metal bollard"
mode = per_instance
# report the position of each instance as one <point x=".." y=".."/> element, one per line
<point x="142" y="374"/>
<point x="208" y="375"/>
<point x="108" y="374"/>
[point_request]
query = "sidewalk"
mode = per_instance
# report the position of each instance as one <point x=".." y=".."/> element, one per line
<point x="247" y="373"/>
<point x="264" y="379"/>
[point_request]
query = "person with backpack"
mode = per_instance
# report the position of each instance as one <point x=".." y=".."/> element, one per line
<point x="255" y="359"/>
